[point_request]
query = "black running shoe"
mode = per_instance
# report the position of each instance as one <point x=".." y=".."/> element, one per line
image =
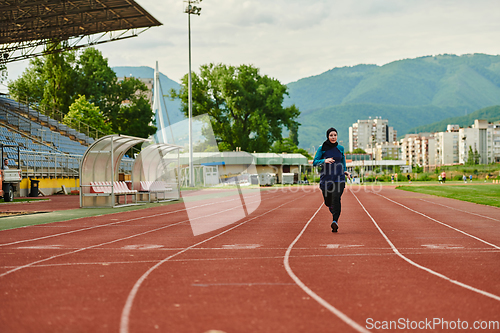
<point x="335" y="226"/>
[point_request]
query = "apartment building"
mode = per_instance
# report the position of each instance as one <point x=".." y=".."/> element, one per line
<point x="447" y="146"/>
<point x="366" y="134"/>
<point x="385" y="151"/>
<point x="452" y="146"/>
<point x="419" y="149"/>
<point x="496" y="142"/>
<point x="482" y="137"/>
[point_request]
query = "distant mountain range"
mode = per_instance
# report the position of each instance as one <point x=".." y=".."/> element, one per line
<point x="491" y="113"/>
<point x="173" y="107"/>
<point x="409" y="93"/>
<point x="413" y="94"/>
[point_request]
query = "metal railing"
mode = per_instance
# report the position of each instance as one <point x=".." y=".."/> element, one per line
<point x="44" y="163"/>
<point x="53" y="165"/>
<point x="56" y="165"/>
<point x="60" y="117"/>
<point x="56" y="119"/>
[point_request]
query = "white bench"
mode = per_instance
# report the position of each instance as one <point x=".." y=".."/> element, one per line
<point x="119" y="188"/>
<point x="155" y="187"/>
<point x="105" y="188"/>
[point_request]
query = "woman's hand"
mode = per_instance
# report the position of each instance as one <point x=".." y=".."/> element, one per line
<point x="329" y="160"/>
<point x="348" y="174"/>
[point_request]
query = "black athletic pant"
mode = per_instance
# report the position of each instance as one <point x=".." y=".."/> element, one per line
<point x="332" y="194"/>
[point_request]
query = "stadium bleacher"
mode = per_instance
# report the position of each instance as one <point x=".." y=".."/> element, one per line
<point x="44" y="149"/>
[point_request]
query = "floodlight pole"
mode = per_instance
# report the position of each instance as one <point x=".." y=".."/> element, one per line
<point x="191" y="171"/>
<point x="191" y="10"/>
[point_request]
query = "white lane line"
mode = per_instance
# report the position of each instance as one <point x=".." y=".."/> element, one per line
<point x="442" y="223"/>
<point x="243" y="284"/>
<point x="443" y="246"/>
<point x="444" y="277"/>
<point x="311" y="293"/>
<point x="341" y="246"/>
<point x="240" y="246"/>
<point x="463" y="211"/>
<point x="108" y="263"/>
<point x="86" y="248"/>
<point x="125" y="317"/>
<point x="110" y="242"/>
<point x="84" y="229"/>
<point x="41" y="247"/>
<point x="106" y="225"/>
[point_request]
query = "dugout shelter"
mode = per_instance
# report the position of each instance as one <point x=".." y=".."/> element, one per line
<point x="99" y="184"/>
<point x="156" y="173"/>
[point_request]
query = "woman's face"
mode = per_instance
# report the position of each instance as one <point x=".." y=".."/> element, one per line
<point x="332" y="136"/>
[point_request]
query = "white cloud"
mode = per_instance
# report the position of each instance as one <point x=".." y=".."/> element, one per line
<point x="293" y="39"/>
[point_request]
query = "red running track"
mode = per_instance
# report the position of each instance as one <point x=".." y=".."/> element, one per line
<point x="400" y="259"/>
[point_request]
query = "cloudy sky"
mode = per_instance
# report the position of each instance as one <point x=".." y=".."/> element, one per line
<point x="293" y="39"/>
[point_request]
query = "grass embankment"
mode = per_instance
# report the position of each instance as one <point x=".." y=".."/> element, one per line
<point x="22" y="200"/>
<point x="480" y="194"/>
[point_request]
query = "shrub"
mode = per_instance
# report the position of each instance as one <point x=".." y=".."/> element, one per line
<point x="424" y="177"/>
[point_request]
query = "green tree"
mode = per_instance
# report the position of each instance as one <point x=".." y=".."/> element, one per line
<point x="59" y="79"/>
<point x="84" y="111"/>
<point x="129" y="111"/>
<point x="245" y="107"/>
<point x="28" y="88"/>
<point x="473" y="157"/>
<point x="477" y="157"/>
<point x="49" y="81"/>
<point x="358" y="151"/>
<point x="417" y="168"/>
<point x="96" y="80"/>
<point x="287" y="145"/>
<point x="294" y="135"/>
<point x="55" y="81"/>
<point x="470" y="157"/>
<point x="135" y="118"/>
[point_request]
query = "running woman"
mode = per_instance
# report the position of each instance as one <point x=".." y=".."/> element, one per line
<point x="332" y="180"/>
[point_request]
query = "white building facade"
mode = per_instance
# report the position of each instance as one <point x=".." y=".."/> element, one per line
<point x="483" y="138"/>
<point x="419" y="149"/>
<point x="496" y="142"/>
<point x="447" y="146"/>
<point x="367" y="134"/>
<point x="452" y="147"/>
<point x="386" y="151"/>
<point x="428" y="150"/>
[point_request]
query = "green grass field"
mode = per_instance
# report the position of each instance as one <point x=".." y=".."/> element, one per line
<point x="481" y="194"/>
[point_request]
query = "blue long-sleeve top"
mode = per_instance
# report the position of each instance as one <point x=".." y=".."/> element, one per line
<point x="335" y="171"/>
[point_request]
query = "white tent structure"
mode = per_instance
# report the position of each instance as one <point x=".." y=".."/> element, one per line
<point x="99" y="186"/>
<point x="156" y="172"/>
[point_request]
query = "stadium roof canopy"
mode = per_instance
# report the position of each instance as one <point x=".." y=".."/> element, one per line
<point x="27" y="24"/>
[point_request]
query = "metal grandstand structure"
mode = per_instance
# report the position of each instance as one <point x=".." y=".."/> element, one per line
<point x="28" y="27"/>
<point x="31" y="28"/>
<point x="48" y="148"/>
